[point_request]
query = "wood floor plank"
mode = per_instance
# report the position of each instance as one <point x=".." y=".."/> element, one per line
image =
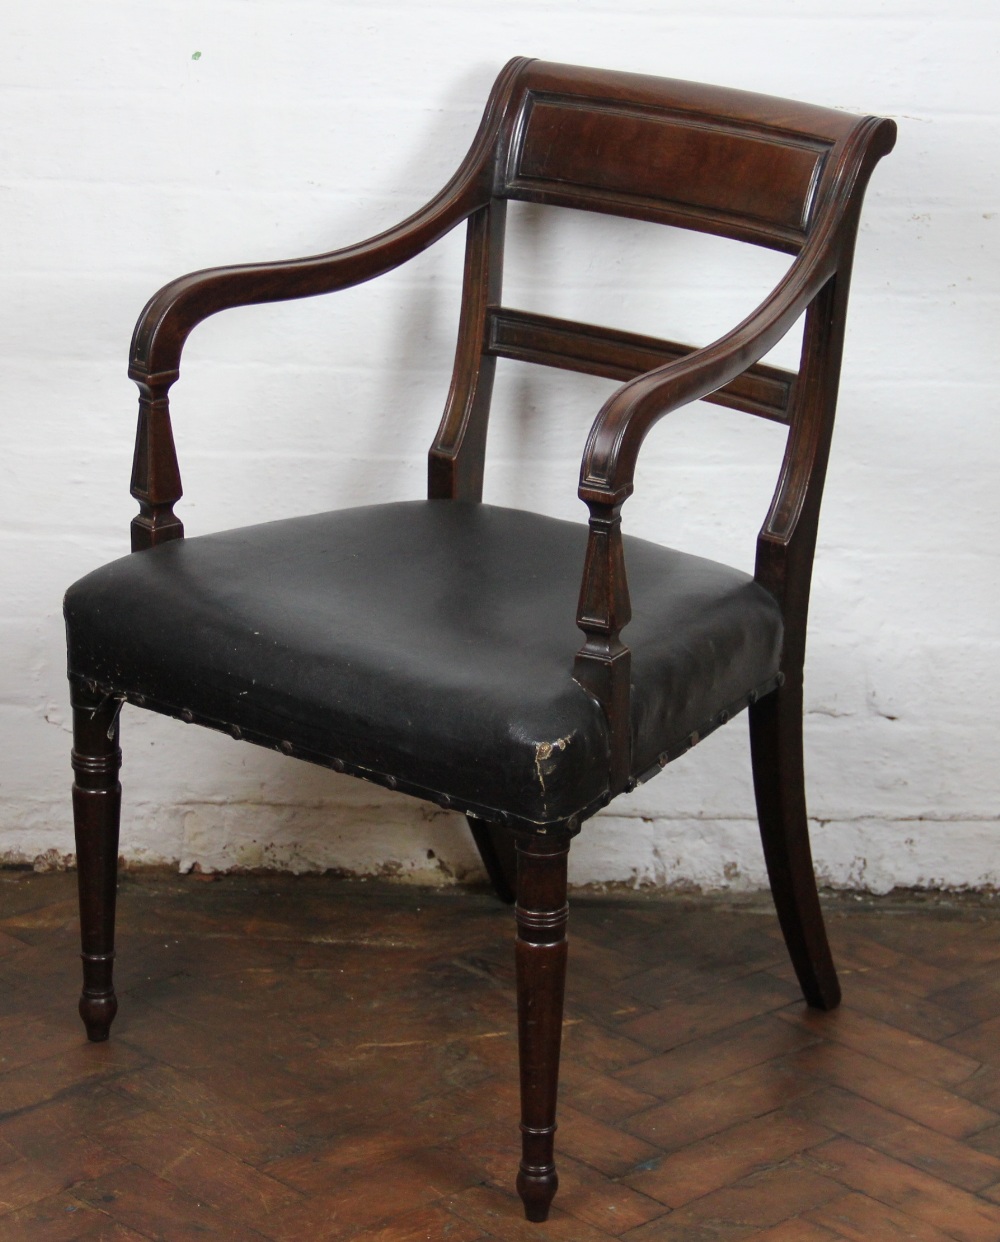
<point x="979" y="1041"/>
<point x="902" y="1050"/>
<point x="601" y="1050"/>
<point x="204" y="1172"/>
<point x="861" y="1219"/>
<point x="25" y="1042"/>
<point x="707" y="1110"/>
<point x="368" y="1198"/>
<point x="23" y="1182"/>
<point x="798" y="1230"/>
<point x="239" y="1130"/>
<point x="75" y="1157"/>
<point x="325" y="1162"/>
<point x="943" y="1157"/>
<point x="37" y="1082"/>
<point x="63" y="1218"/>
<point x="858" y="956"/>
<point x="758" y="1202"/>
<point x="681" y="1021"/>
<point x="324" y="1059"/>
<point x="10" y="945"/>
<point x="424" y="1223"/>
<point x="607" y="1148"/>
<point x="975" y="997"/>
<point x="712" y="1163"/>
<point x="930" y="1105"/>
<point x="742" y="1045"/>
<point x="957" y="1213"/>
<point x="136" y="1199"/>
<point x="923" y="1016"/>
<point x="600" y="1095"/>
<point x="767" y="1197"/>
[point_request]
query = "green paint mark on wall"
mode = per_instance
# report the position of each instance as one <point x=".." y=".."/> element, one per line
<point x="196" y="55"/>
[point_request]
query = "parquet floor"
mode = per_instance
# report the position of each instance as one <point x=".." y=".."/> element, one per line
<point x="316" y="1058"/>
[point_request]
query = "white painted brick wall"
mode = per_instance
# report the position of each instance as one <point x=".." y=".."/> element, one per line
<point x="306" y="124"/>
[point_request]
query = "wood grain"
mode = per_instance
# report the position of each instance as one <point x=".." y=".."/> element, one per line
<point x="785" y="1126"/>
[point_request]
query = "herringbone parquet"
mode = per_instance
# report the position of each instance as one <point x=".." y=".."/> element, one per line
<point x="318" y="1059"/>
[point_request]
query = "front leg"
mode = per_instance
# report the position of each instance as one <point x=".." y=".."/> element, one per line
<point x="97" y="797"/>
<point x="541" y="912"/>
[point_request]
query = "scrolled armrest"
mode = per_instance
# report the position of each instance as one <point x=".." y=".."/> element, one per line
<point x="178" y="307"/>
<point x="603" y="664"/>
<point x="171" y="314"/>
<point x="609" y="459"/>
<point x="616" y="436"/>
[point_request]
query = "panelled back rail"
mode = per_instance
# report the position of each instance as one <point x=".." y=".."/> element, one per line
<point x="755" y="169"/>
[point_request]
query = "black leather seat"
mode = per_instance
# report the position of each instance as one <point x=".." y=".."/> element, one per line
<point x="427" y="645"/>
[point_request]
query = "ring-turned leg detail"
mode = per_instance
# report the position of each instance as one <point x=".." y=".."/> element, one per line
<point x="541" y="913"/>
<point x="96" y="813"/>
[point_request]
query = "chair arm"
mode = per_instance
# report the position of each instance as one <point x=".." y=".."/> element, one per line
<point x="603" y="664"/>
<point x="171" y="314"/>
<point x="607" y="471"/>
<point x="609" y="459"/>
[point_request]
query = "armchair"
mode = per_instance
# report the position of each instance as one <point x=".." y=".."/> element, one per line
<point x="432" y="646"/>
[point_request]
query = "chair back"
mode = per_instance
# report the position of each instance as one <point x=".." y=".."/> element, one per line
<point x="745" y="166"/>
<point x="748" y="167"/>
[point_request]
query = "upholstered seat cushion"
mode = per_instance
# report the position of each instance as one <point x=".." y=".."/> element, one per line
<point x="428" y="644"/>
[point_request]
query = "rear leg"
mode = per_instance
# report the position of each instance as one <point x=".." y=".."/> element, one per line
<point x="496" y="849"/>
<point x="779" y="783"/>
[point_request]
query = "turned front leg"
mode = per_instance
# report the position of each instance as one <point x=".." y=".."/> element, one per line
<point x="541" y="912"/>
<point x="96" y="810"/>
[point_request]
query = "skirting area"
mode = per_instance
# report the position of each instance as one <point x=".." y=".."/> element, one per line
<point x="310" y="1058"/>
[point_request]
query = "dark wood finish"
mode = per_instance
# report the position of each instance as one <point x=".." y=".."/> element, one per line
<point x="457" y="457"/>
<point x="785" y="549"/>
<point x="766" y="171"/>
<point x="541" y="913"/>
<point x="661" y="164"/>
<point x="97" y="799"/>
<point x="603" y="664"/>
<point x="779" y="785"/>
<point x="526" y="337"/>
<point x="156" y="475"/>
<point x="250" y="1094"/>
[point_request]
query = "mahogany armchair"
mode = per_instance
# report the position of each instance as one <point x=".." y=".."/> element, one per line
<point x="432" y="646"/>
